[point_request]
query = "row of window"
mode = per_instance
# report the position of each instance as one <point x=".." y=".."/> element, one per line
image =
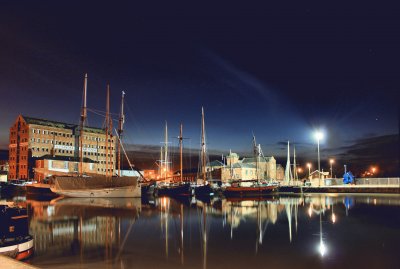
<point x="104" y="170"/>
<point x="21" y="166"/>
<point x="48" y="141"/>
<point x="104" y="162"/>
<point x="46" y="132"/>
<point x="23" y="157"/>
<point x="21" y="176"/>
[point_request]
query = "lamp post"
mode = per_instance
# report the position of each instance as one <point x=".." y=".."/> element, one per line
<point x="309" y="169"/>
<point x="331" y="161"/>
<point x="319" y="135"/>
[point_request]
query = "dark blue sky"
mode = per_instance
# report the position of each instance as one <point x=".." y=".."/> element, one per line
<point x="280" y="71"/>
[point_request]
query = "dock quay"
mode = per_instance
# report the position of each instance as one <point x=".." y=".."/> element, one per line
<point x="362" y="185"/>
<point x="349" y="189"/>
<point x="9" y="263"/>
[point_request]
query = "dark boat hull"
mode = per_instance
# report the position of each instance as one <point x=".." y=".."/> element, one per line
<point x="249" y="191"/>
<point x="39" y="190"/>
<point x="204" y="190"/>
<point x="287" y="189"/>
<point x="174" y="190"/>
<point x="148" y="189"/>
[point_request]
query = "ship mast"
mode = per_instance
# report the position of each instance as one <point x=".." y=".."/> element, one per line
<point x="203" y="147"/>
<point x="255" y="153"/>
<point x="295" y="176"/>
<point x="120" y="130"/>
<point x="288" y="171"/>
<point x="82" y="124"/>
<point x="166" y="151"/>
<point x="108" y="127"/>
<point x="181" y="150"/>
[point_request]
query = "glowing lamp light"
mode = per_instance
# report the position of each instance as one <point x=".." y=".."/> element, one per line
<point x="322" y="248"/>
<point x="319" y="135"/>
<point x="309" y="165"/>
<point x="299" y="170"/>
<point x="331" y="161"/>
<point x="333" y="218"/>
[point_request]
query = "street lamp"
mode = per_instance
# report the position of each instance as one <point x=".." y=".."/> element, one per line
<point x="373" y="170"/>
<point x="309" y="171"/>
<point x="319" y="135"/>
<point x="331" y="161"/>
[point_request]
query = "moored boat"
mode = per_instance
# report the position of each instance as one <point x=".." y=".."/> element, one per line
<point x="203" y="189"/>
<point x="254" y="190"/>
<point x="15" y="240"/>
<point x="108" y="185"/>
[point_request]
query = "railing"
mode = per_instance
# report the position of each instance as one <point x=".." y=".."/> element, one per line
<point x="392" y="181"/>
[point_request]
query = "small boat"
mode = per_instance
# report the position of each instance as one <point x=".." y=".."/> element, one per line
<point x="254" y="190"/>
<point x="15" y="240"/>
<point x="251" y="188"/>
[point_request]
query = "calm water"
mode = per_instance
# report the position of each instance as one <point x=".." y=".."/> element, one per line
<point x="313" y="231"/>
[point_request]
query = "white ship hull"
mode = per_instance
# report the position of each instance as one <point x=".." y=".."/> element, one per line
<point x="118" y="192"/>
<point x="19" y="251"/>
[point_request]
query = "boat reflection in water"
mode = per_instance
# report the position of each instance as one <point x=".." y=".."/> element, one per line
<point x="281" y="231"/>
<point x="80" y="230"/>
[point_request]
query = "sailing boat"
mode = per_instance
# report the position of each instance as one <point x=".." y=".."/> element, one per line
<point x="96" y="185"/>
<point x="256" y="188"/>
<point x="179" y="188"/>
<point x="203" y="189"/>
<point x="288" y="183"/>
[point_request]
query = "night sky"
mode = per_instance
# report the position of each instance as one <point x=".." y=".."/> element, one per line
<point x="278" y="70"/>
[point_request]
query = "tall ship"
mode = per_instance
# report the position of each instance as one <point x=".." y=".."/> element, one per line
<point x="251" y="188"/>
<point x="97" y="185"/>
<point x="179" y="188"/>
<point x="202" y="187"/>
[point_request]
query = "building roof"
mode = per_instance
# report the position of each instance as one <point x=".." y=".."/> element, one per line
<point x="322" y="173"/>
<point x="233" y="155"/>
<point x="215" y="163"/>
<point x="254" y="160"/>
<point x="58" y="124"/>
<point x="243" y="165"/>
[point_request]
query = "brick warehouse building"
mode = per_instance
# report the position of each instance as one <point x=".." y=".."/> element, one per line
<point x="52" y="148"/>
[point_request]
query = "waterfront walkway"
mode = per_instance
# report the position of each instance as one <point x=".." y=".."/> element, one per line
<point x="9" y="263"/>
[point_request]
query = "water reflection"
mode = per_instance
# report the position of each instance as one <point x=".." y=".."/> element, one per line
<point x="287" y="231"/>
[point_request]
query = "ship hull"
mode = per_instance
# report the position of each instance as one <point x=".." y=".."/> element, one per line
<point x="97" y="187"/>
<point x="178" y="190"/>
<point x="121" y="192"/>
<point x="204" y="190"/>
<point x="40" y="189"/>
<point x="20" y="251"/>
<point x="249" y="191"/>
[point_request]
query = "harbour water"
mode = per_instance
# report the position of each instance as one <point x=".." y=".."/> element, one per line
<point x="297" y="231"/>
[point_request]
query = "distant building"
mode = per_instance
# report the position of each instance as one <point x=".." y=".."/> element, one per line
<point x="130" y="173"/>
<point x="3" y="170"/>
<point x="280" y="172"/>
<point x="33" y="139"/>
<point x="247" y="168"/>
<point x="317" y="174"/>
<point x="149" y="174"/>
